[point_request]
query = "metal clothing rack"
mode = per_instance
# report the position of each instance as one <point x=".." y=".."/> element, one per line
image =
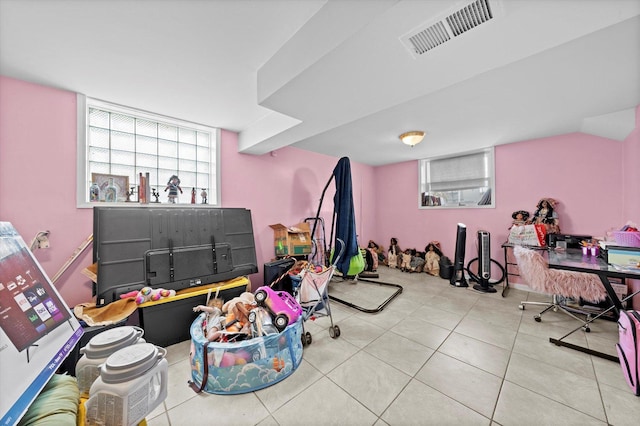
<point x="318" y="220"/>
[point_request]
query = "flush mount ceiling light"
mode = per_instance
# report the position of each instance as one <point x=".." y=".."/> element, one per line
<point x="412" y="138"/>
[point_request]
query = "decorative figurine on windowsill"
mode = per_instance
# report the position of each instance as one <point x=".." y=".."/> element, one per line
<point x="156" y="195"/>
<point x="203" y="194"/>
<point x="173" y="186"/>
<point x="545" y="214"/>
<point x="193" y="195"/>
<point x="129" y="193"/>
<point x="520" y="218"/>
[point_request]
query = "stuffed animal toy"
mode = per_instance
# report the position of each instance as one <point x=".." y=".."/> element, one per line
<point x="147" y="294"/>
<point x="432" y="258"/>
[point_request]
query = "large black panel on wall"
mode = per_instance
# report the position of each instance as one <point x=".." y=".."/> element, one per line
<point x="169" y="247"/>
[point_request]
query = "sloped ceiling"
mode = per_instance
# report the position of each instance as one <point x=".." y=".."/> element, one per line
<point x="333" y="76"/>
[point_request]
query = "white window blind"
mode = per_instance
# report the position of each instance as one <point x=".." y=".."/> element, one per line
<point x="464" y="180"/>
<point x="464" y="172"/>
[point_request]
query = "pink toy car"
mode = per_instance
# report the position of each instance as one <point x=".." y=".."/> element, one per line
<point x="281" y="304"/>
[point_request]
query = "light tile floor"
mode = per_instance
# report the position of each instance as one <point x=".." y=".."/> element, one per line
<point x="437" y="355"/>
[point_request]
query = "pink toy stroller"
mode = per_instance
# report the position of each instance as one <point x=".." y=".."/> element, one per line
<point x="312" y="295"/>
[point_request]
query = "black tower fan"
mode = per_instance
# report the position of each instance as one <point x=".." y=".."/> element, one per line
<point x="457" y="278"/>
<point x="484" y="263"/>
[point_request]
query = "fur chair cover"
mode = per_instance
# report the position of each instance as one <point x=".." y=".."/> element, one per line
<point x="535" y="270"/>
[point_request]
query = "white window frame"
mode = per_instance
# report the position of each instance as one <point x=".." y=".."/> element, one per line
<point x="83" y="180"/>
<point x="425" y="182"/>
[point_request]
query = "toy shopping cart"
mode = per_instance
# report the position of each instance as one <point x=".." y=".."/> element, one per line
<point x="312" y="295"/>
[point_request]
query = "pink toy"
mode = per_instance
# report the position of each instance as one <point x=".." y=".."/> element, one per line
<point x="133" y="293"/>
<point x="147" y="294"/>
<point x="281" y="304"/>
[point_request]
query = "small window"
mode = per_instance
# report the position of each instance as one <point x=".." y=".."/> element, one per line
<point x="461" y="181"/>
<point x="116" y="145"/>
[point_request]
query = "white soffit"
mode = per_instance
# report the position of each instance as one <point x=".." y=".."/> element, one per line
<point x="616" y="125"/>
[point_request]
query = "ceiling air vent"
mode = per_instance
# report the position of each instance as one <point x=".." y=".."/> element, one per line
<point x="452" y="24"/>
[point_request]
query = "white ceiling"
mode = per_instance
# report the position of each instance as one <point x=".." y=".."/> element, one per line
<point x="333" y="76"/>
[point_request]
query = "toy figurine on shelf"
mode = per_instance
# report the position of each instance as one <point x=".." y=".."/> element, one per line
<point x="193" y="195"/>
<point x="156" y="195"/>
<point x="129" y="193"/>
<point x="173" y="186"/>
<point x="203" y="194"/>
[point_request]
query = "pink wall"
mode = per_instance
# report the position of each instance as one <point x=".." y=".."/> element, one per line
<point x="285" y="187"/>
<point x="594" y="179"/>
<point x="38" y="178"/>
<point x="562" y="167"/>
<point x="631" y="168"/>
<point x="631" y="200"/>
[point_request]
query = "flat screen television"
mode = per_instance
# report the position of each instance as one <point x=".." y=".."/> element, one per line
<point x="169" y="247"/>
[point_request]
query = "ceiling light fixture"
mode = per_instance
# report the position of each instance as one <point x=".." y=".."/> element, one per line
<point x="412" y="138"/>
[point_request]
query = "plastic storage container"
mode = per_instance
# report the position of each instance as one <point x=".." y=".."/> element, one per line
<point x="132" y="383"/>
<point x="98" y="349"/>
<point x="247" y="365"/>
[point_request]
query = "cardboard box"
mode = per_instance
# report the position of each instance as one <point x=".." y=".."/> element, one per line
<point x="292" y="240"/>
<point x="626" y="257"/>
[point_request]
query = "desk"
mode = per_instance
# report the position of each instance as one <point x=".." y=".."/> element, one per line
<point x="573" y="260"/>
<point x="510" y="264"/>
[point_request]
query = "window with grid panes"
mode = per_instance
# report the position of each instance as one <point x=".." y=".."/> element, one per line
<point x="459" y="181"/>
<point x="124" y="142"/>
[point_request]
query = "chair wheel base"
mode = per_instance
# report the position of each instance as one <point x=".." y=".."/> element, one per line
<point x="537" y="318"/>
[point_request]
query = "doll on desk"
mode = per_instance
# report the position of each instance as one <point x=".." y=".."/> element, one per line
<point x="545" y="214"/>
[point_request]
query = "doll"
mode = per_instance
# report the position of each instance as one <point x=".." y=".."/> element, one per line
<point x="417" y="261"/>
<point x="405" y="266"/>
<point x="394" y="252"/>
<point x="377" y="249"/>
<point x="213" y="323"/>
<point x="173" y="186"/>
<point x="520" y="218"/>
<point x="432" y="259"/>
<point x="545" y="214"/>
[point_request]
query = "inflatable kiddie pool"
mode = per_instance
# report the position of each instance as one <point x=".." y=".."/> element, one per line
<point x="244" y="366"/>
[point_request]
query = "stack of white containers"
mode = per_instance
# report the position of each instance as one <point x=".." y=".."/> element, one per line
<point x="124" y="377"/>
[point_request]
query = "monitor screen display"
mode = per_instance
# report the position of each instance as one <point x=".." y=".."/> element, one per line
<point x="29" y="308"/>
